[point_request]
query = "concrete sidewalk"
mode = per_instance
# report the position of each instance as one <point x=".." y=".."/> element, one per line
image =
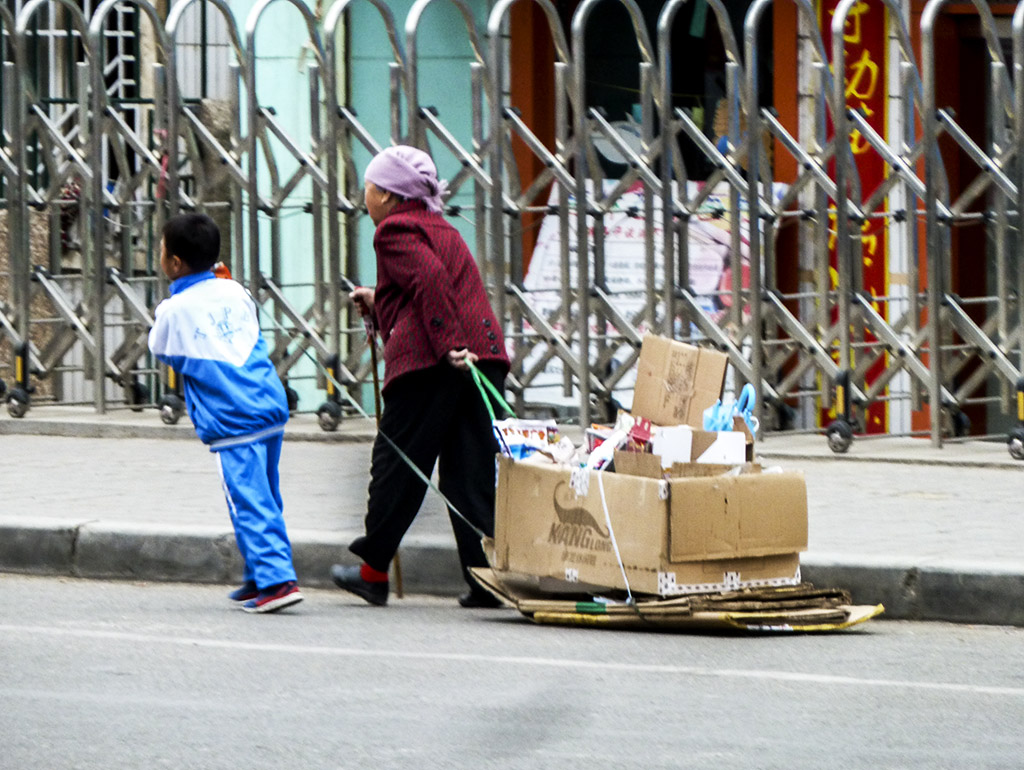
<point x="930" y="533"/>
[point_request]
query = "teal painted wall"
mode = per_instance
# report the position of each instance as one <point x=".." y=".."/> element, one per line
<point x="282" y="78"/>
<point x="443" y="61"/>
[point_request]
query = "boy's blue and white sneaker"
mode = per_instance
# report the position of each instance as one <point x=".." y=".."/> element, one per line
<point x="274" y="598"/>
<point x="247" y="591"/>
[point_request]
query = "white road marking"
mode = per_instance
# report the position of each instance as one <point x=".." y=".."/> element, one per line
<point x="458" y="657"/>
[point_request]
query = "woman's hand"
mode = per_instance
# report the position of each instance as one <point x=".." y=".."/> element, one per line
<point x="461" y="358"/>
<point x="362" y="296"/>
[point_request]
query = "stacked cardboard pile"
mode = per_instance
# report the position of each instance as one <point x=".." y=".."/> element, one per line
<point x="682" y="523"/>
<point x="801" y="608"/>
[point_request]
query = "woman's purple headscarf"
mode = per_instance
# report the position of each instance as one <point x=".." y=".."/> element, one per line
<point x="408" y="172"/>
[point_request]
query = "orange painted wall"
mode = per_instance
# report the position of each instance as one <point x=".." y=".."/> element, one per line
<point x="531" y="57"/>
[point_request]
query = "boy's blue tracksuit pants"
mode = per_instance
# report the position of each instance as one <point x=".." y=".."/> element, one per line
<point x="249" y="476"/>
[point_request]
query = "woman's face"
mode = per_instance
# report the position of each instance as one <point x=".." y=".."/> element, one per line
<point x="378" y="202"/>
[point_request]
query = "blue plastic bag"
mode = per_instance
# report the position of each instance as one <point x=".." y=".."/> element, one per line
<point x="720" y="416"/>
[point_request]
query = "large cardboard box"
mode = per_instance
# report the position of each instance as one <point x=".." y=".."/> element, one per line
<point x="677" y="536"/>
<point x="676" y="382"/>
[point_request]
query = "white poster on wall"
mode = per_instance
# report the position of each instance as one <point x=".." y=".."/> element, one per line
<point x="710" y="274"/>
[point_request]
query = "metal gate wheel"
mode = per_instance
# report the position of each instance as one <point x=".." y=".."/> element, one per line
<point x="171" y="409"/>
<point x="329" y="415"/>
<point x="17" y="403"/>
<point x="1015" y="443"/>
<point x="840" y="436"/>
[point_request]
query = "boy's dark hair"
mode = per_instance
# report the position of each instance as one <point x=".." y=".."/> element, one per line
<point x="194" y="239"/>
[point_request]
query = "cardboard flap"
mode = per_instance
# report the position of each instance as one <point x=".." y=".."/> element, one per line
<point x="739" y="424"/>
<point x="719" y="448"/>
<point x="497" y="556"/>
<point x="638" y="464"/>
<point x="726" y="516"/>
<point x="649" y="466"/>
<point x="676" y="382"/>
<point x="679" y="470"/>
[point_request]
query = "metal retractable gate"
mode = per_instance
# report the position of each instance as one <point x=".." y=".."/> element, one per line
<point x="14" y="288"/>
<point x="346" y="134"/>
<point x="879" y="329"/>
<point x="681" y="209"/>
<point x="801" y="331"/>
<point x="972" y="337"/>
<point x="76" y="182"/>
<point x="546" y="335"/>
<point x="111" y="124"/>
<point x="313" y="327"/>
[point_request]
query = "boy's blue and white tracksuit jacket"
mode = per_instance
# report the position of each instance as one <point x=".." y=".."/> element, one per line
<point x="208" y="331"/>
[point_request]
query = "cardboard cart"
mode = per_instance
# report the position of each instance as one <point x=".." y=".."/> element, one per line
<point x="695" y="535"/>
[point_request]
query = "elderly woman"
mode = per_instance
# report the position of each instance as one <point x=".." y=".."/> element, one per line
<point x="434" y="316"/>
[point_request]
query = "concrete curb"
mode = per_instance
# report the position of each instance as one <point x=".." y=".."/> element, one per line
<point x="955" y="594"/>
<point x="891" y="459"/>
<point x="960" y="594"/>
<point x="29" y="427"/>
<point x="102" y="551"/>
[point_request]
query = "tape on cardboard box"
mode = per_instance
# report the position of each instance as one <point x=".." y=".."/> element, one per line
<point x="730" y="575"/>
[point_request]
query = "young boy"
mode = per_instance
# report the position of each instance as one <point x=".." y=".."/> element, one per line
<point x="208" y="331"/>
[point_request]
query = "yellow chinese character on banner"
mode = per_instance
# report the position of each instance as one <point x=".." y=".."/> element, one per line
<point x="851" y="30"/>
<point x="863" y="67"/>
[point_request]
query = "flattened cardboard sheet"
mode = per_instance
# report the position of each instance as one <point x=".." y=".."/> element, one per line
<point x="802" y="609"/>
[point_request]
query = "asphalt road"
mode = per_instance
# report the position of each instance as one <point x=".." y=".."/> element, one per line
<point x="117" y="675"/>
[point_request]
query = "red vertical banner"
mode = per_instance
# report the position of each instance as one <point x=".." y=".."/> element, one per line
<point x="865" y="78"/>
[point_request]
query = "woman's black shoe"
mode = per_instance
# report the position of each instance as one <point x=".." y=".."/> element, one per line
<point x="351" y="580"/>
